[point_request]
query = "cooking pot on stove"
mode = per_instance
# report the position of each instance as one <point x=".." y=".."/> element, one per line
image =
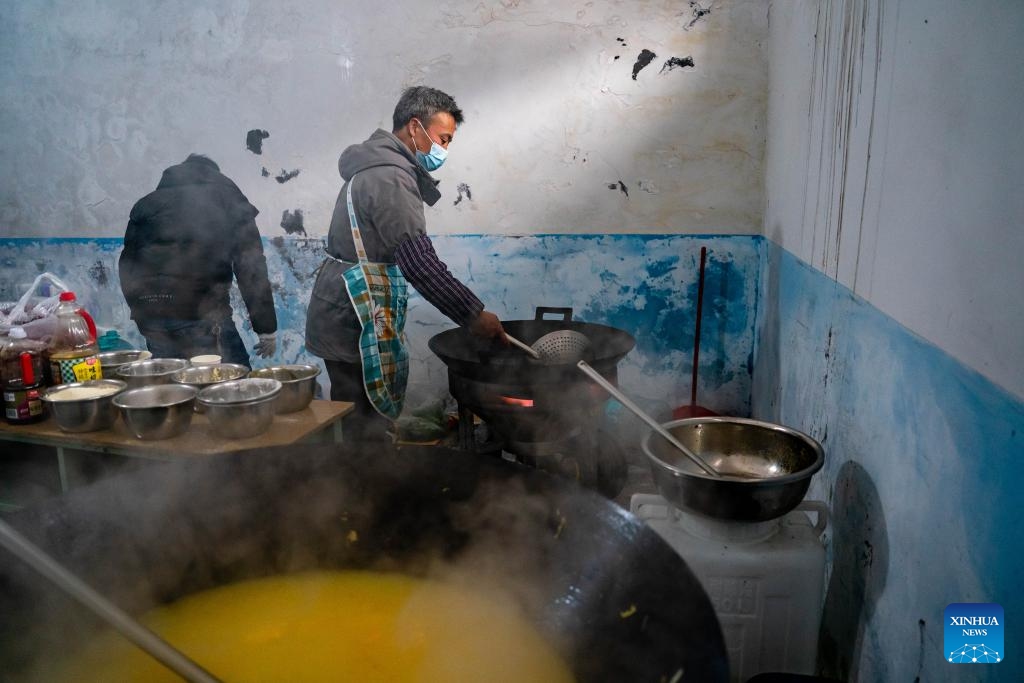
<point x="489" y="361"/>
<point x="587" y="573"/>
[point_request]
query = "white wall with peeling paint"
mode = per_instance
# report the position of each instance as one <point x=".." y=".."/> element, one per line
<point x="894" y="163"/>
<point x="99" y="97"/>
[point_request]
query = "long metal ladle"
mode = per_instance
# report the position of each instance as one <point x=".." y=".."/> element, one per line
<point x="131" y="629"/>
<point x="651" y="422"/>
<point x="524" y="346"/>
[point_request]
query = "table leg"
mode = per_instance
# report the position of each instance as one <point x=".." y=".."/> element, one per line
<point x="62" y="470"/>
<point x="467" y="442"/>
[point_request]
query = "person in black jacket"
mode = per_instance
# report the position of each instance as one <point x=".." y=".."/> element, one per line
<point x="184" y="242"/>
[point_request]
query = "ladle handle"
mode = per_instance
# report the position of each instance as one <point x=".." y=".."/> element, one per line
<point x="528" y="349"/>
<point x="153" y="644"/>
<point x="651" y="422"/>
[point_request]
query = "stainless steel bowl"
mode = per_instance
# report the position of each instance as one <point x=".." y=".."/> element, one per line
<point x="202" y="376"/>
<point x="84" y="414"/>
<point x="147" y="373"/>
<point x="112" y="361"/>
<point x="766" y="467"/>
<point x="241" y="408"/>
<point x="157" y="412"/>
<point x="297" y="385"/>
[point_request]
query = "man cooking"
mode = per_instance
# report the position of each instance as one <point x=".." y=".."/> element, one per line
<point x="377" y="245"/>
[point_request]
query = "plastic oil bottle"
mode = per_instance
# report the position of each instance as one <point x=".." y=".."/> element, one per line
<point x="21" y="369"/>
<point x="73" y="349"/>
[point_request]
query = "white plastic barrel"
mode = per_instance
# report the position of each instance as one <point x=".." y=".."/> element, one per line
<point x="765" y="580"/>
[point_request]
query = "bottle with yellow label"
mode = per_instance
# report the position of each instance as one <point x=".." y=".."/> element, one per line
<point x="73" y="350"/>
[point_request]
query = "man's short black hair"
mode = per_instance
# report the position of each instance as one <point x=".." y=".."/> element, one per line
<point x="421" y="102"/>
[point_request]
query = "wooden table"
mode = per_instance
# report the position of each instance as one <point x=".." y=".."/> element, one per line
<point x="321" y="420"/>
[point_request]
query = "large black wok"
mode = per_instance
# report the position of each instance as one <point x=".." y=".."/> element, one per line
<point x="576" y="562"/>
<point x="468" y="356"/>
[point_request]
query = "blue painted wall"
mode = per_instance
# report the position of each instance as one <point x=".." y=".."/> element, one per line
<point x="645" y="284"/>
<point x="923" y="464"/>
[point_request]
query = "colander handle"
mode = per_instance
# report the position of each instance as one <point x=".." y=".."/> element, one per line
<point x="566" y="313"/>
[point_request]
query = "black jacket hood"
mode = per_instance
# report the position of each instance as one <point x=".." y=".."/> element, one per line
<point x="194" y="171"/>
<point x="384" y="149"/>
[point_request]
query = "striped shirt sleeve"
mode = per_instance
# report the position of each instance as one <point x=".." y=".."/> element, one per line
<point x="430" y="276"/>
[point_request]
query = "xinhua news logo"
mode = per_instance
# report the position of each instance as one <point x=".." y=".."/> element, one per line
<point x="974" y="633"/>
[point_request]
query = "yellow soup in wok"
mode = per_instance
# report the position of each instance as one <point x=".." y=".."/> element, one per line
<point x="333" y="626"/>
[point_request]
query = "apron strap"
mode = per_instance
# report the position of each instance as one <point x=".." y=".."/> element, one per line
<point x="357" y="239"/>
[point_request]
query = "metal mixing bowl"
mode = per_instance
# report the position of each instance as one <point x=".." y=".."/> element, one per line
<point x="147" y="373"/>
<point x="241" y="408"/>
<point x="202" y="376"/>
<point x="297" y="385"/>
<point x="84" y="414"/>
<point x="157" y="412"/>
<point x="112" y="361"/>
<point x="766" y="467"/>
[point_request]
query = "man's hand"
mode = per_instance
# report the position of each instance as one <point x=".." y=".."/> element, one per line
<point x="267" y="344"/>
<point x="488" y="326"/>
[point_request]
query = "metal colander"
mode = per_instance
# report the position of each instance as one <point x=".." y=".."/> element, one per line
<point x="562" y="347"/>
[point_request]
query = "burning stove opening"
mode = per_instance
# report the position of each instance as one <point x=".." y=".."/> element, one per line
<point x="516" y="401"/>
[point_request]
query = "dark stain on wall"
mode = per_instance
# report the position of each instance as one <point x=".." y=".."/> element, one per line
<point x="698" y="13"/>
<point x="642" y="60"/>
<point x="920" y="649"/>
<point x="254" y="140"/>
<point x="264" y="172"/>
<point x="99" y="274"/>
<point x="464" y="192"/>
<point x="284" y="176"/>
<point x="619" y="186"/>
<point x="676" y="62"/>
<point x="292" y="222"/>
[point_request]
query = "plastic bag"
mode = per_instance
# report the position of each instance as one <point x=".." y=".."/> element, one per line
<point x="36" y="317"/>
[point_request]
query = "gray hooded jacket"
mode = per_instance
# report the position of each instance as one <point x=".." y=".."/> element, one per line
<point x="388" y="197"/>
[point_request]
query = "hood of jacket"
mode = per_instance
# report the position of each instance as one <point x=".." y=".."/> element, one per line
<point x="185" y="178"/>
<point x="384" y="149"/>
<point x="195" y="170"/>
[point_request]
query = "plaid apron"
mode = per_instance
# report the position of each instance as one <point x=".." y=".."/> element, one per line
<point x="379" y="293"/>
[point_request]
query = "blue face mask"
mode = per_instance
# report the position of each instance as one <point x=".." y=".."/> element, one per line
<point x="435" y="157"/>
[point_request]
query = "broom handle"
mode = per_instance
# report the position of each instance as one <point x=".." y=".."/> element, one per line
<point x="696" y="332"/>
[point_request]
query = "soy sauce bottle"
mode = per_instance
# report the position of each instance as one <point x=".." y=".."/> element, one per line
<point x="21" y="370"/>
<point x="73" y="350"/>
